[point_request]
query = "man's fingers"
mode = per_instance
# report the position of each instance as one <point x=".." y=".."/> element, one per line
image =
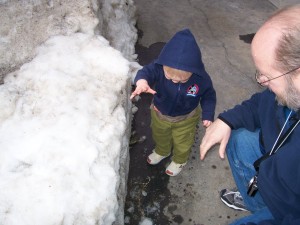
<point x="203" y="150"/>
<point x="222" y="149"/>
<point x="202" y="154"/>
<point x="217" y="132"/>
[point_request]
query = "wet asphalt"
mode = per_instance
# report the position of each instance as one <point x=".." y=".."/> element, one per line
<point x="224" y="30"/>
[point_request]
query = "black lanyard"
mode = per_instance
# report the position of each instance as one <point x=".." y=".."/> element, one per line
<point x="280" y="142"/>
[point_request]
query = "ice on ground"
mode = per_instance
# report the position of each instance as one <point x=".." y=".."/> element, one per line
<point x="146" y="221"/>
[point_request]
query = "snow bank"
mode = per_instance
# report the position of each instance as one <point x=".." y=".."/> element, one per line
<point x="62" y="133"/>
<point x="27" y="24"/>
<point x="65" y="115"/>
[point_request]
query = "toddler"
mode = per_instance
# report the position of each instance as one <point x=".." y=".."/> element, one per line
<point x="178" y="81"/>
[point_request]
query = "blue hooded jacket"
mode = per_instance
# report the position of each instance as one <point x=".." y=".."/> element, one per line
<point x="175" y="99"/>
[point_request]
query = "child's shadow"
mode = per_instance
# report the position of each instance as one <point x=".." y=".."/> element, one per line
<point x="147" y="185"/>
<point x="147" y="55"/>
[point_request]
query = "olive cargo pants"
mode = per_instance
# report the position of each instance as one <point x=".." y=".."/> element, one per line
<point x="179" y="135"/>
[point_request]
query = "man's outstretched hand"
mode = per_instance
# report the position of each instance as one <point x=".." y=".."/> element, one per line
<point x="217" y="132"/>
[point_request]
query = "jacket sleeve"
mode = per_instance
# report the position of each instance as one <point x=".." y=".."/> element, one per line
<point x="287" y="220"/>
<point x="149" y="72"/>
<point x="208" y="102"/>
<point x="245" y="115"/>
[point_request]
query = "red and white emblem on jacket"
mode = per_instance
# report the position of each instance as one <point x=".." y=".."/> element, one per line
<point x="192" y="90"/>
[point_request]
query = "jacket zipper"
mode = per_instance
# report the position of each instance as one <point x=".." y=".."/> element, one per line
<point x="178" y="92"/>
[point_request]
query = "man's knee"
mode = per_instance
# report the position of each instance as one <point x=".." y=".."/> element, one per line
<point x="242" y="137"/>
<point x="243" y="145"/>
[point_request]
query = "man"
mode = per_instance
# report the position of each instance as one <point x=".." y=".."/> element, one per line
<point x="266" y="126"/>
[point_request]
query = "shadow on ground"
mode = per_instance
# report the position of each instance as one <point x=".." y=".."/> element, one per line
<point x="147" y="192"/>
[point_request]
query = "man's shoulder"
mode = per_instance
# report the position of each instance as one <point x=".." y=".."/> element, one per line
<point x="265" y="96"/>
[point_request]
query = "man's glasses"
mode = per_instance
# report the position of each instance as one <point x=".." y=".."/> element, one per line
<point x="262" y="79"/>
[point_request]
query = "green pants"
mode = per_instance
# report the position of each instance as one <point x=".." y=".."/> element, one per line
<point x="179" y="135"/>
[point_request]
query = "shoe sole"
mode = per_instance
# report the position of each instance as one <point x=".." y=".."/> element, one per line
<point x="233" y="206"/>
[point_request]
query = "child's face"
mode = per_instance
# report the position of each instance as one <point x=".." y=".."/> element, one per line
<point x="175" y="75"/>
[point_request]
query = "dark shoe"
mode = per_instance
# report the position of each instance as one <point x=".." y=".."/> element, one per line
<point x="233" y="199"/>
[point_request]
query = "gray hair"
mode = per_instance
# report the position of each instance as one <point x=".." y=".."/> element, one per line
<point x="288" y="49"/>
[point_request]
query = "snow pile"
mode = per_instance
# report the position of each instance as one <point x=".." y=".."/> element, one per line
<point x="27" y="24"/>
<point x="118" y="25"/>
<point x="63" y="124"/>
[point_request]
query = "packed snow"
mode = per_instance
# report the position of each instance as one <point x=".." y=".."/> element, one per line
<point x="63" y="120"/>
<point x="64" y="128"/>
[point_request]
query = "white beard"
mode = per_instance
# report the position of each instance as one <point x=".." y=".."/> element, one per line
<point x="291" y="97"/>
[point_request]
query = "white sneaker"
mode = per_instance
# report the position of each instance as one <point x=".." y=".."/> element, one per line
<point x="155" y="158"/>
<point x="174" y="168"/>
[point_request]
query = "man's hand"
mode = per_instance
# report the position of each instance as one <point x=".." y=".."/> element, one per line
<point x="142" y="86"/>
<point x="217" y="132"/>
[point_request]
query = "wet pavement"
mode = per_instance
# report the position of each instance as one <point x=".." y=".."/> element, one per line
<point x="148" y="192"/>
<point x="224" y="30"/>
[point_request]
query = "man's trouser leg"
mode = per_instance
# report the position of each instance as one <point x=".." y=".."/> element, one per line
<point x="242" y="151"/>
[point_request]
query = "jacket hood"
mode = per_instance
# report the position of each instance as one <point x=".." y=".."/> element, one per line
<point x="182" y="52"/>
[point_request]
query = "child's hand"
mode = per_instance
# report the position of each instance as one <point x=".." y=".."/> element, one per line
<point x="206" y="123"/>
<point x="142" y="86"/>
